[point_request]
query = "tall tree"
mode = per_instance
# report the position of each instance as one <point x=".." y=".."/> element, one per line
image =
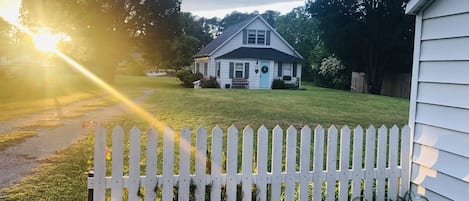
<point x="5" y="37"/>
<point x="271" y="17"/>
<point x="104" y="30"/>
<point x="302" y="32"/>
<point x="374" y="36"/>
<point x="236" y="17"/>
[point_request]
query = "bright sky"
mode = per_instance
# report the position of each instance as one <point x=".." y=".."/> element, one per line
<point x="9" y="9"/>
<point x="220" y="8"/>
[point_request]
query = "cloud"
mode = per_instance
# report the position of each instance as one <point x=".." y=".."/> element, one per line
<point x="207" y="5"/>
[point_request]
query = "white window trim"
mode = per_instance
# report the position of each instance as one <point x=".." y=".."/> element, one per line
<point x="290" y="70"/>
<point x="242" y="69"/>
<point x="256" y="37"/>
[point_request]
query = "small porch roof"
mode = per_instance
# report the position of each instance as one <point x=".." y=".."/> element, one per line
<point x="260" y="54"/>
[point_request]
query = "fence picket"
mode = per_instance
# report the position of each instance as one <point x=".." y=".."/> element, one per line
<point x="357" y="161"/>
<point x="262" y="143"/>
<point x="200" y="163"/>
<point x="134" y="163"/>
<point x="276" y="169"/>
<point x="184" y="165"/>
<point x="305" y="157"/>
<point x="248" y="134"/>
<point x="117" y="163"/>
<point x="331" y="162"/>
<point x="150" y="181"/>
<point x="318" y="175"/>
<point x="291" y="163"/>
<point x="393" y="152"/>
<point x="381" y="181"/>
<point x="405" y="160"/>
<point x="232" y="164"/>
<point x="369" y="161"/>
<point x="99" y="163"/>
<point x="168" y="163"/>
<point x="344" y="163"/>
<point x="215" y="193"/>
<point x="381" y="163"/>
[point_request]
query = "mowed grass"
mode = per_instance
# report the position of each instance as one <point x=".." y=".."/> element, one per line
<point x="194" y="107"/>
<point x="63" y="176"/>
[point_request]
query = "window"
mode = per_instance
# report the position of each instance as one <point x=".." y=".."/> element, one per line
<point x="205" y="69"/>
<point x="197" y="67"/>
<point x="217" y="68"/>
<point x="287" y="70"/>
<point x="261" y="37"/>
<point x="239" y="70"/>
<point x="251" y="36"/>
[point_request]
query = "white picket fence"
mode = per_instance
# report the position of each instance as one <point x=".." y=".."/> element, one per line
<point x="322" y="165"/>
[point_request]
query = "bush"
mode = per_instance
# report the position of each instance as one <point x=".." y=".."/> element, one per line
<point x="187" y="77"/>
<point x="135" y="67"/>
<point x="209" y="83"/>
<point x="332" y="74"/>
<point x="279" y="84"/>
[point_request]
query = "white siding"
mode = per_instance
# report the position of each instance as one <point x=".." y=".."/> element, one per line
<point x="439" y="113"/>
<point x="225" y="72"/>
<point x="441" y="8"/>
<point x="237" y="41"/>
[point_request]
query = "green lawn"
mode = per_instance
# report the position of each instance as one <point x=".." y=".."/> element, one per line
<point x="62" y="176"/>
<point x="194" y="107"/>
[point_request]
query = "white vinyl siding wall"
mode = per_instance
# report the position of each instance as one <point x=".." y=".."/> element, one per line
<point x="440" y="102"/>
<point x="225" y="72"/>
<point x="237" y="41"/>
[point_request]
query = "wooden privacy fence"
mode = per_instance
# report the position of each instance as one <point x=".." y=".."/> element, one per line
<point x="307" y="165"/>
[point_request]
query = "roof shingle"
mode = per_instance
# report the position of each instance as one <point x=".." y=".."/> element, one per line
<point x="230" y="31"/>
<point x="261" y="54"/>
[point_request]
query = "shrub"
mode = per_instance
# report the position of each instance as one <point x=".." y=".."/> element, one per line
<point x="209" y="83"/>
<point x="187" y="77"/>
<point x="333" y="74"/>
<point x="278" y="84"/>
<point x="135" y="67"/>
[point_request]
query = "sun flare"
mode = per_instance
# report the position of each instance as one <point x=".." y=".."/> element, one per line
<point x="46" y="42"/>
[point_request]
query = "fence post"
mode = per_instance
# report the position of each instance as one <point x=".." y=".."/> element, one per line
<point x="90" y="190"/>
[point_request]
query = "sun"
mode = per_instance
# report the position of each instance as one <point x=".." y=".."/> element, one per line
<point x="46" y="42"/>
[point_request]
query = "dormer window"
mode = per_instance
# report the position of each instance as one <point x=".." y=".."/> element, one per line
<point x="256" y="37"/>
<point x="251" y="36"/>
<point x="261" y="37"/>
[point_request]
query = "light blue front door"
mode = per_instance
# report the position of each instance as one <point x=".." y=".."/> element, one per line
<point x="264" y="68"/>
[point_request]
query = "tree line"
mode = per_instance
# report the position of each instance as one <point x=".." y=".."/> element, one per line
<point x="335" y="37"/>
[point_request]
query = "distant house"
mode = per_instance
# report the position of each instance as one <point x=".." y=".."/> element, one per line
<point x="439" y="108"/>
<point x="250" y="54"/>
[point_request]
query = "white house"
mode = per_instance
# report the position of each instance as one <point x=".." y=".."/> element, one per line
<point x="439" y="108"/>
<point x="249" y="54"/>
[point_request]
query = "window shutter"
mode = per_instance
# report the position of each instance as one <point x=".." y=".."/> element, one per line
<point x="294" y="69"/>
<point x="245" y="36"/>
<point x="246" y="71"/>
<point x="205" y="69"/>
<point x="280" y="69"/>
<point x="267" y="38"/>
<point x="231" y="69"/>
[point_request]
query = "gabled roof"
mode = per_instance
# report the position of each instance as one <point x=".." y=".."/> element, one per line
<point x="415" y="6"/>
<point x="231" y="32"/>
<point x="261" y="54"/>
<point x="228" y="33"/>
